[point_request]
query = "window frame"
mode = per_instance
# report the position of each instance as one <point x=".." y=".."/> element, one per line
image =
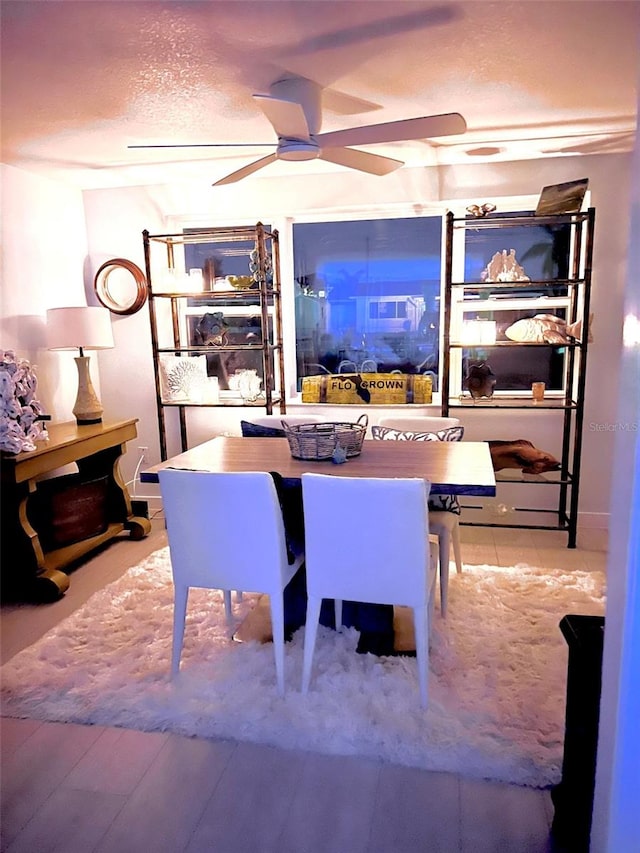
<point x="360" y="214"/>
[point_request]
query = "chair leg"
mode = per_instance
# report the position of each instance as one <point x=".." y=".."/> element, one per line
<point x="444" y="550"/>
<point x="180" y="599"/>
<point x="277" y="629"/>
<point x="228" y="612"/>
<point x="455" y="538"/>
<point x="421" y="631"/>
<point x="310" y="632"/>
<point x="338" y="611"/>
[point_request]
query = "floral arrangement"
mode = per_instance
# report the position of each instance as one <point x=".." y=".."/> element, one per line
<point x="21" y="414"/>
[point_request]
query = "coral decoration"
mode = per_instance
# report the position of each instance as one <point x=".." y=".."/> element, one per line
<point x="21" y="414"/>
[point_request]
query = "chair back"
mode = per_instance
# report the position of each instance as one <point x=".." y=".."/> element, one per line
<point x="225" y="531"/>
<point x="276" y="420"/>
<point x="377" y="550"/>
<point x="419" y="424"/>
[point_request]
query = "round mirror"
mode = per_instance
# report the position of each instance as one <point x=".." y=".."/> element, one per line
<point x="121" y="286"/>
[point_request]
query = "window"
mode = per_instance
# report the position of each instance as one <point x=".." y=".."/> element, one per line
<point x="367" y="292"/>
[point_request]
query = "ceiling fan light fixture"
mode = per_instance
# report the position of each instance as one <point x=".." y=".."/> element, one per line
<point x="295" y="149"/>
<point x="484" y="151"/>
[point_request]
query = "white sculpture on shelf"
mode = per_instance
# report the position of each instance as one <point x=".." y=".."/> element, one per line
<point x="504" y="267"/>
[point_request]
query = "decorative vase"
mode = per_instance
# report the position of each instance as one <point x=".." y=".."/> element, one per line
<point x="249" y="385"/>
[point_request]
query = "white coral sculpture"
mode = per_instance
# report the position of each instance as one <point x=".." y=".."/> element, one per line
<point x="20" y="411"/>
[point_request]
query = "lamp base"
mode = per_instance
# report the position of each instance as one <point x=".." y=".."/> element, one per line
<point x="84" y="421"/>
<point x="88" y="408"/>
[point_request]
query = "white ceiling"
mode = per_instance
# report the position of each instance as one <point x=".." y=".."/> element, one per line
<point x="83" y="79"/>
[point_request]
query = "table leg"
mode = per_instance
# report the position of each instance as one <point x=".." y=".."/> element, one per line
<point x="373" y="621"/>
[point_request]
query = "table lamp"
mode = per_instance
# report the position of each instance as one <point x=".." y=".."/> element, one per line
<point x="81" y="329"/>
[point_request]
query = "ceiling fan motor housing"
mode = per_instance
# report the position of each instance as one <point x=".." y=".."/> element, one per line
<point x="297" y="149"/>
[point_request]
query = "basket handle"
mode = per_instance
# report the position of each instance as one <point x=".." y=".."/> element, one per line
<point x="364" y="420"/>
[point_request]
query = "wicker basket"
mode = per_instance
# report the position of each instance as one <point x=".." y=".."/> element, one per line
<point x="318" y="441"/>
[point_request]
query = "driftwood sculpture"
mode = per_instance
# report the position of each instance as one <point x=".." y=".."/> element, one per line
<point x="521" y="453"/>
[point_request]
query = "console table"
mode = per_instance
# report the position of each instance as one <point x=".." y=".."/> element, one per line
<point x="32" y="557"/>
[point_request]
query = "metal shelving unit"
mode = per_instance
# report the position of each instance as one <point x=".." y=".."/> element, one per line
<point x="569" y="292"/>
<point x="170" y="312"/>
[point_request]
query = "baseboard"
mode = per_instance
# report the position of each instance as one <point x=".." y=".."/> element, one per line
<point x="593" y="520"/>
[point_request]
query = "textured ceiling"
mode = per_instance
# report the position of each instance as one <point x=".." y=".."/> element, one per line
<point x="82" y="80"/>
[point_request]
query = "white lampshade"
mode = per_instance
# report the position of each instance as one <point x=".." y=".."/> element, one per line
<point x="79" y="328"/>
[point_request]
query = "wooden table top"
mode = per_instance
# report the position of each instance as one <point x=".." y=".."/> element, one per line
<point x="67" y="442"/>
<point x="461" y="468"/>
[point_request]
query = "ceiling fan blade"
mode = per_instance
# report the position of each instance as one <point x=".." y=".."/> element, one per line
<point x="246" y="170"/>
<point x="208" y="145"/>
<point x="287" y="117"/>
<point x="343" y="104"/>
<point x="426" y="127"/>
<point x="374" y="164"/>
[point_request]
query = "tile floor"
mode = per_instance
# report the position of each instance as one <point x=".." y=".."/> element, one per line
<point x="91" y="789"/>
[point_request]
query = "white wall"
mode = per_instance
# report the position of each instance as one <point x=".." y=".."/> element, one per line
<point x="616" y="817"/>
<point x="116" y="218"/>
<point x="44" y="261"/>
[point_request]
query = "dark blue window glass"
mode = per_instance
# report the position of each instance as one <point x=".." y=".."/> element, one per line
<point x="367" y="291"/>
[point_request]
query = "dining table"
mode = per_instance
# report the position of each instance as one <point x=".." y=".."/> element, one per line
<point x="451" y="468"/>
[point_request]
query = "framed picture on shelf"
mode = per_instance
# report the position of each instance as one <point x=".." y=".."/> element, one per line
<point x="562" y="198"/>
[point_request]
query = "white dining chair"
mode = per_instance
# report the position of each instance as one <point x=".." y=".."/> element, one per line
<point x="418" y="423"/>
<point x="226" y="532"/>
<point x="275" y="420"/>
<point x="347" y="366"/>
<point x="380" y="554"/>
<point x="442" y="523"/>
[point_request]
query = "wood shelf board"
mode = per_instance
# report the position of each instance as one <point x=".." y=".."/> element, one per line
<point x="509" y="478"/>
<point x="511" y="403"/>
<point x="537" y="284"/>
<point x="250" y="295"/>
<point x="223" y="234"/>
<point x="459" y="345"/>
<point x="519" y="220"/>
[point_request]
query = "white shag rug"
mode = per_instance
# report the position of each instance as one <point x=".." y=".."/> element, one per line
<point x="498" y="668"/>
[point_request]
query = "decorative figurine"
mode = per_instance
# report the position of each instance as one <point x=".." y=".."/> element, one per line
<point x="480" y="380"/>
<point x="504" y="267"/>
<point x="21" y="414"/>
<point x="480" y="210"/>
<point x="212" y="330"/>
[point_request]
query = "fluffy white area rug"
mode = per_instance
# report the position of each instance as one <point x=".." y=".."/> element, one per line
<point x="497" y="684"/>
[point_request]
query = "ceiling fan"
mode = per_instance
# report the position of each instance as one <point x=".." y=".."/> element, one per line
<point x="294" y="108"/>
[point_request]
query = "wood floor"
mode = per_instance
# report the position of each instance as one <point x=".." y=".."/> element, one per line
<point x="79" y="789"/>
